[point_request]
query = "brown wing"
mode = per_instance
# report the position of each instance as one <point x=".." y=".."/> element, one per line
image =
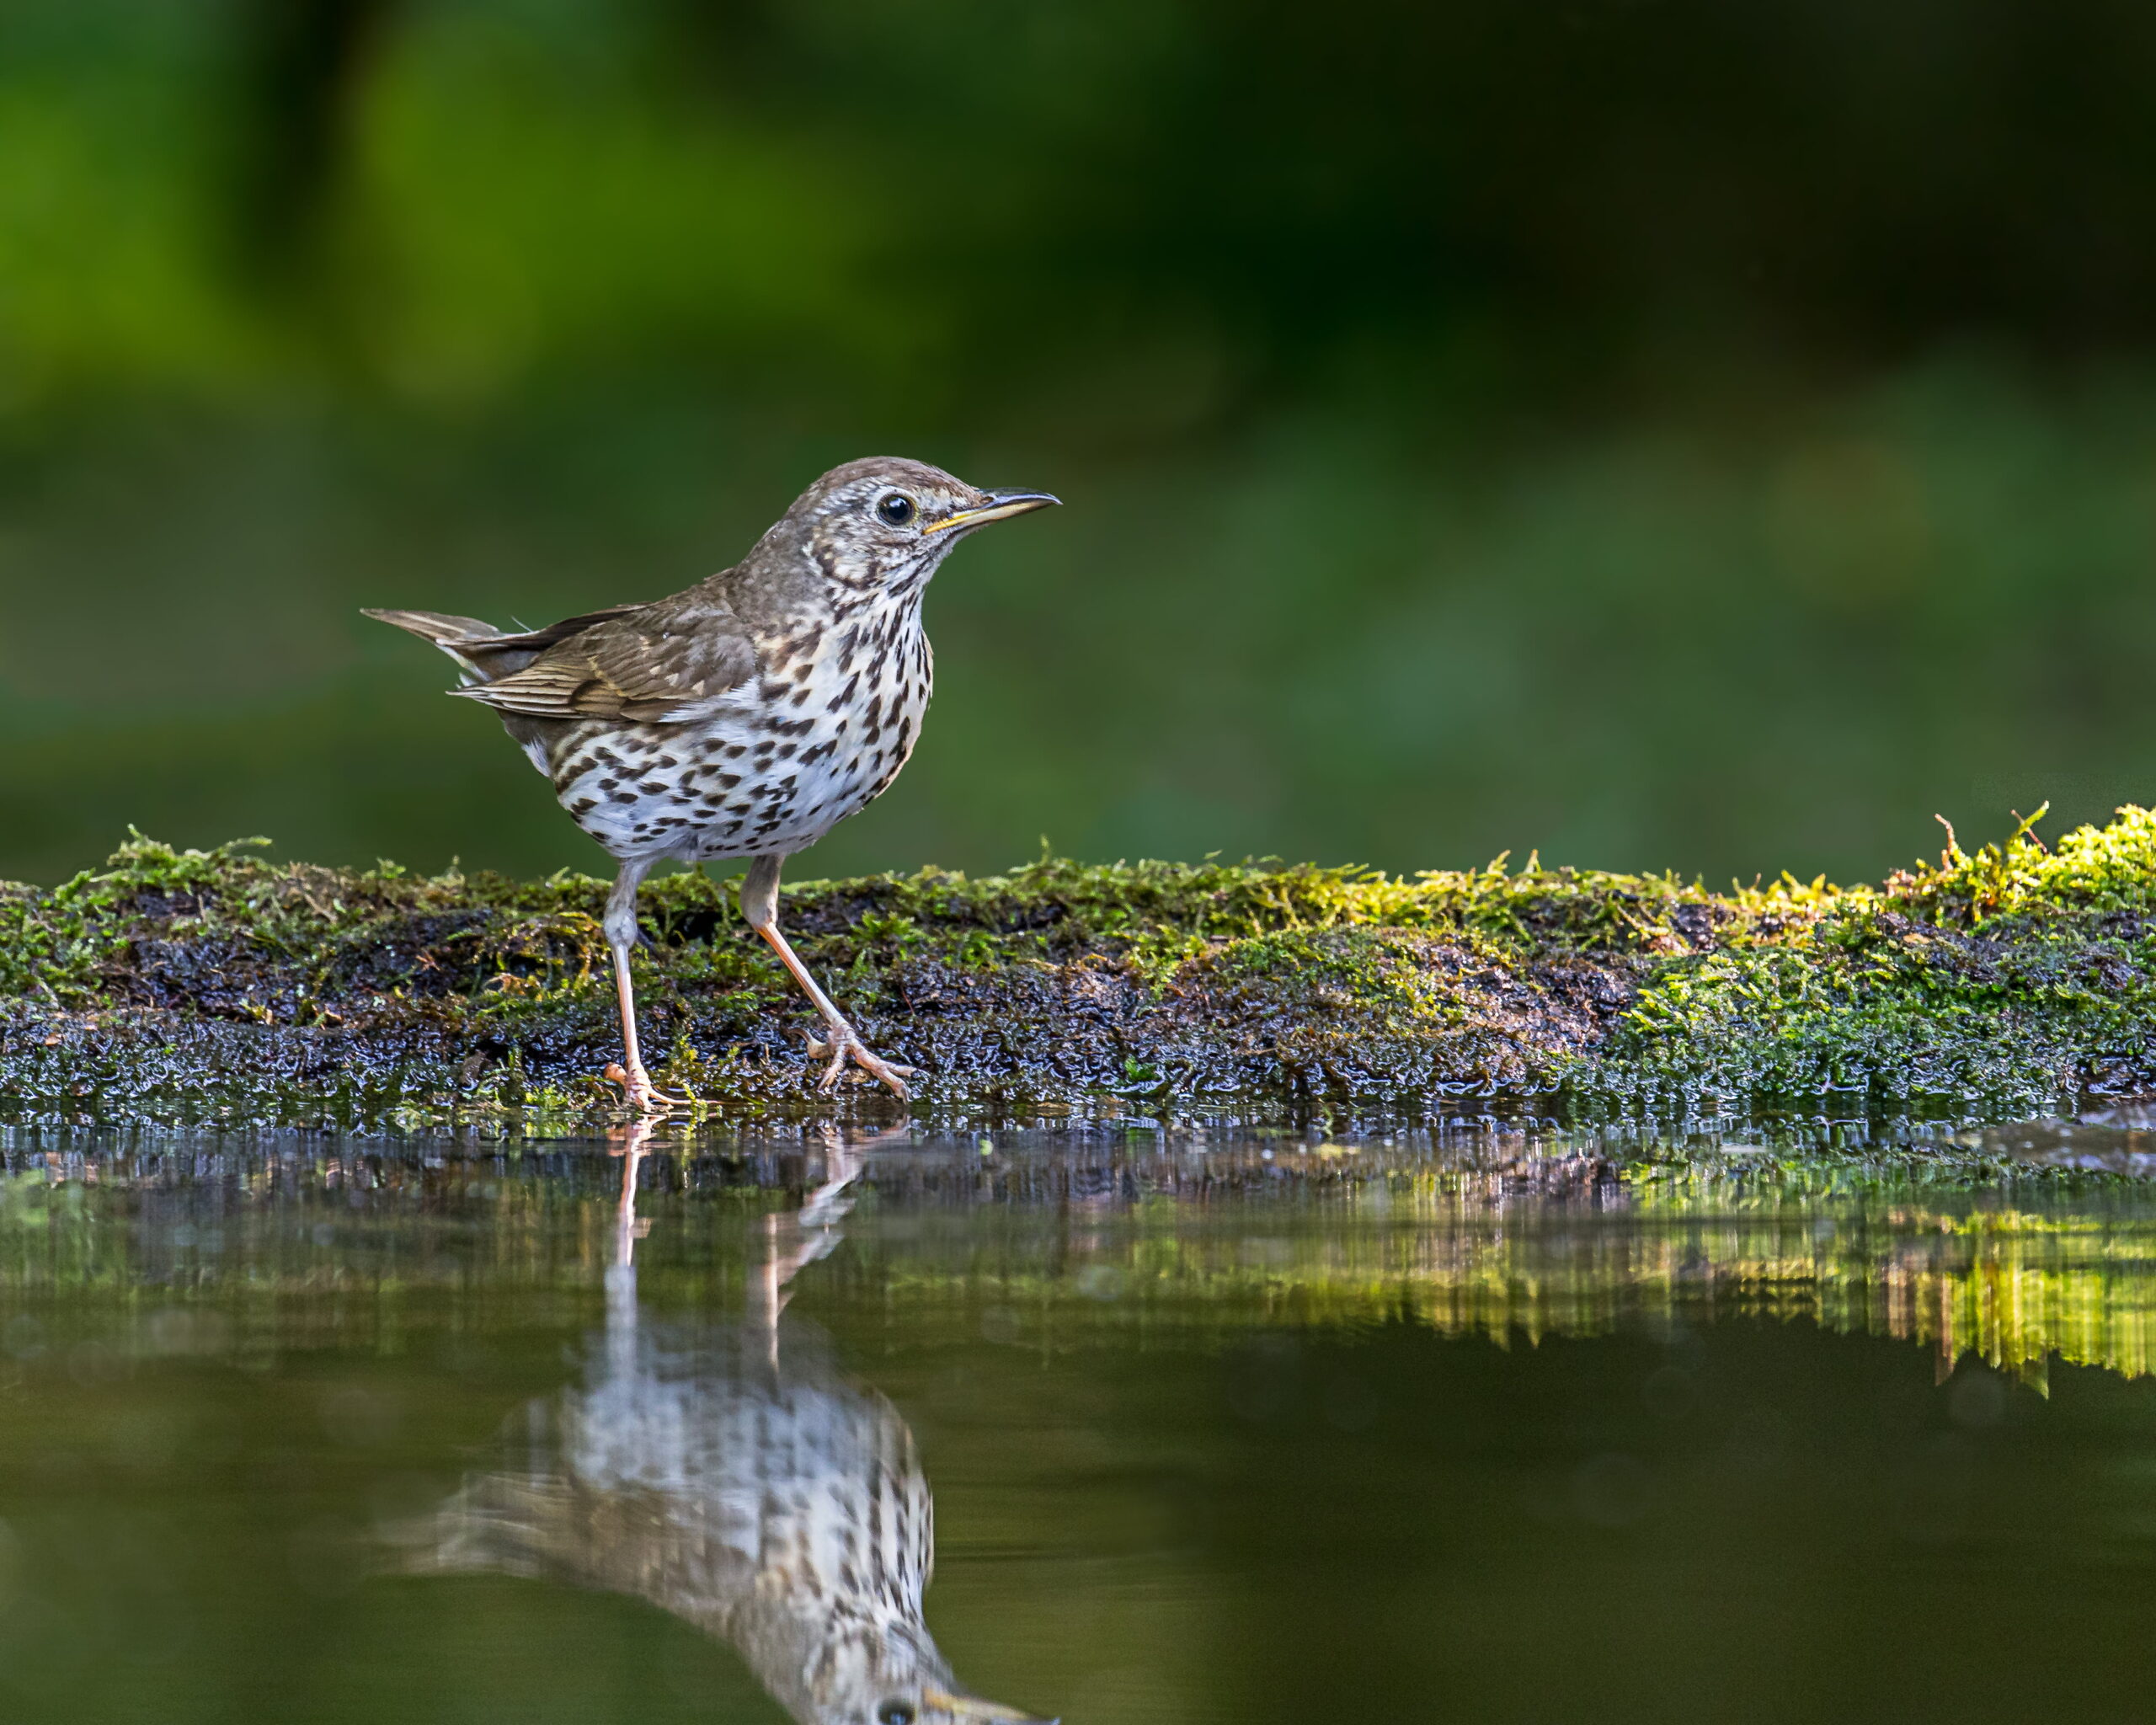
<point x="539" y="639"/>
<point x="484" y="651"/>
<point x="654" y="664"/>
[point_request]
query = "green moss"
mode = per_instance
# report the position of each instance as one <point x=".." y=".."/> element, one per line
<point x="2011" y="974"/>
<point x="176" y="983"/>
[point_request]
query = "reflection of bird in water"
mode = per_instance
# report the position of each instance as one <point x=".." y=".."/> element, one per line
<point x="737" y="1480"/>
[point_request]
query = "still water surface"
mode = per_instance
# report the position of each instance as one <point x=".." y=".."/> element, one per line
<point x="1227" y="1427"/>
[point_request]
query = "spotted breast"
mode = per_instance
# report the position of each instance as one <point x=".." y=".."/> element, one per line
<point x="832" y="713"/>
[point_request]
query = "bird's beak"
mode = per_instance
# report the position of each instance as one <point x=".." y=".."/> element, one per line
<point x="1002" y="505"/>
<point x="971" y="1707"/>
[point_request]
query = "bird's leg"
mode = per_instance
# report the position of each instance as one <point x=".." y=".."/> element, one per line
<point x="621" y="926"/>
<point x="629" y="1227"/>
<point x="843" y="1043"/>
<point x="621" y="1275"/>
<point x="826" y="1207"/>
<point x="816" y="1233"/>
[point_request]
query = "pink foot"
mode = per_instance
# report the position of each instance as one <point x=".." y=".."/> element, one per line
<point x="844" y="1047"/>
<point x="643" y="1094"/>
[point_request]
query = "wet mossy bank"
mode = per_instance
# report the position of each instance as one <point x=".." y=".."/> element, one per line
<point x="176" y="986"/>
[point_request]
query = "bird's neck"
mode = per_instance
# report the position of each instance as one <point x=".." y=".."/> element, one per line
<point x="810" y="1654"/>
<point x="843" y="627"/>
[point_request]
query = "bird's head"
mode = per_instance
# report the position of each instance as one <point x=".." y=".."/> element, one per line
<point x="887" y="1672"/>
<point x="930" y="1705"/>
<point x="886" y="522"/>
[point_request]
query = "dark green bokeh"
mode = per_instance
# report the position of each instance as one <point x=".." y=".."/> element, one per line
<point x="1661" y="436"/>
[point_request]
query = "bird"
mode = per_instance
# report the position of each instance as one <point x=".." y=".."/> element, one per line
<point x="742" y="718"/>
<point x="735" y="1477"/>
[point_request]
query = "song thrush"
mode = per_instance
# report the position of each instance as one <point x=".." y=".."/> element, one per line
<point x="745" y="717"/>
<point x="735" y="1477"/>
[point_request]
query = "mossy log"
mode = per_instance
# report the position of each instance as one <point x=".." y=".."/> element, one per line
<point x="177" y="985"/>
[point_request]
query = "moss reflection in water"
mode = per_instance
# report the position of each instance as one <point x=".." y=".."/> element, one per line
<point x="1247" y="1427"/>
<point x="1193" y="1248"/>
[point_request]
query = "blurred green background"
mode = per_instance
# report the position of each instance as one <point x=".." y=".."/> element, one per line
<point x="1659" y="432"/>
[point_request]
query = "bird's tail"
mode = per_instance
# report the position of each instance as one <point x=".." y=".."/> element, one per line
<point x="484" y="652"/>
<point x="455" y="635"/>
<point x="557" y="1529"/>
<point x="500" y="1522"/>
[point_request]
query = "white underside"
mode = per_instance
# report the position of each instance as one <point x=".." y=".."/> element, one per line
<point x="853" y="762"/>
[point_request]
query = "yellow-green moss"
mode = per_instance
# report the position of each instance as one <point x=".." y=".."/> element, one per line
<point x="175" y="982"/>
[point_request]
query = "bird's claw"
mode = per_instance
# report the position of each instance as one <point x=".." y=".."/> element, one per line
<point x="643" y="1095"/>
<point x="843" y="1047"/>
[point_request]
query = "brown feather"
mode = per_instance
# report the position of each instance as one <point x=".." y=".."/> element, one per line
<point x="483" y="650"/>
<point x="648" y="665"/>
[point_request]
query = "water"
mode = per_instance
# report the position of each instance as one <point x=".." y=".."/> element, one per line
<point x="1226" y="1427"/>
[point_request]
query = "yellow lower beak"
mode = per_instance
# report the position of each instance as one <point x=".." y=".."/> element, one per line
<point x="1002" y="505"/>
<point x="971" y="1707"/>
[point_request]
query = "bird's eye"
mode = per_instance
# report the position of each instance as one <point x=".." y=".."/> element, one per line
<point x="895" y="1712"/>
<point x="896" y="508"/>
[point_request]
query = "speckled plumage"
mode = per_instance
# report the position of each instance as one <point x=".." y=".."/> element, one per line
<point x="735" y="1477"/>
<point x="737" y="1480"/>
<point x="812" y="735"/>
<point x="748" y="715"/>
